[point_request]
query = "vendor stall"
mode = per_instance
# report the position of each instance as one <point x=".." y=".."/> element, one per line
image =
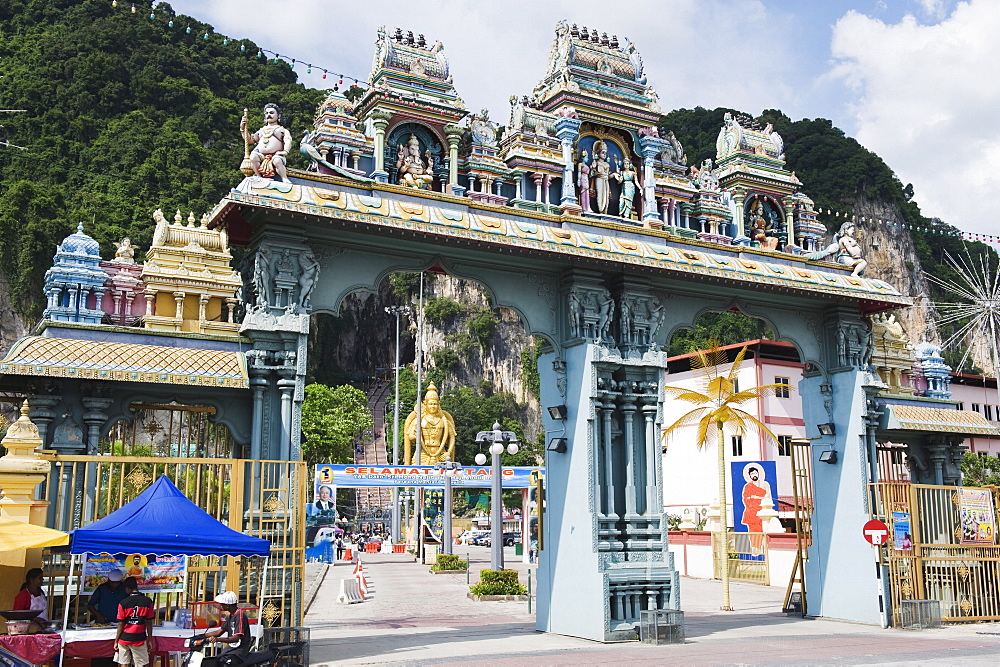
<point x="15" y="536"/>
<point x="160" y="521"/>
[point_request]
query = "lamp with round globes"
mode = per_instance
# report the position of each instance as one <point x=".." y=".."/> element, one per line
<point x="497" y="440"/>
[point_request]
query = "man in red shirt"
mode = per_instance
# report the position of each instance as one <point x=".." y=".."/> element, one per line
<point x="135" y="626"/>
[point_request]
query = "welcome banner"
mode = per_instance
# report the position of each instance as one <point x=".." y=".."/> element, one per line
<point x="354" y="476"/>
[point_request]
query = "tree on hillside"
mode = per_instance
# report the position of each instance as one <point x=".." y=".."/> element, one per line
<point x="124" y="115"/>
<point x="333" y="419"/>
<point x="980" y="470"/>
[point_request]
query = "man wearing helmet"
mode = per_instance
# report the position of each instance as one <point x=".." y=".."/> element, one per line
<point x="236" y="626"/>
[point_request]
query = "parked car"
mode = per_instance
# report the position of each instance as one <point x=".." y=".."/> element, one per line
<point x="510" y="539"/>
<point x="470" y="536"/>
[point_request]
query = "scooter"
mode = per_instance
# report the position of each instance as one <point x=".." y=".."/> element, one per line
<point x="273" y="656"/>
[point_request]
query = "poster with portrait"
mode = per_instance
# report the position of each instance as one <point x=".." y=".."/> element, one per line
<point x="976" y="516"/>
<point x="902" y="539"/>
<point x="755" y="488"/>
<point x="322" y="511"/>
<point x="154" y="574"/>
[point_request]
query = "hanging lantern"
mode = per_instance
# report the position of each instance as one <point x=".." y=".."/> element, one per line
<point x="225" y="41"/>
<point x="187" y="31"/>
<point x="341" y="82"/>
<point x="152" y="16"/>
<point x="133" y="9"/>
<point x="170" y="23"/>
<point x="309" y="69"/>
<point x="260" y="54"/>
<point x="114" y="3"/>
<point x="205" y="37"/>
<point x="324" y="74"/>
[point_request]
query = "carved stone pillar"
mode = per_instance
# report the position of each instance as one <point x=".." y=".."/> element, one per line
<point x="653" y="456"/>
<point x="518" y="177"/>
<point x="538" y="177"/>
<point x="546" y="182"/>
<point x="94" y="418"/>
<point x="380" y="119"/>
<point x="202" y="310"/>
<point x="789" y="224"/>
<point x="286" y="385"/>
<point x="43" y="413"/>
<point x="628" y="410"/>
<point x="454" y="135"/>
<point x="568" y="131"/>
<point x="179" y="311"/>
<point x="607" y="412"/>
<point x="651" y="147"/>
<point x="258" y="383"/>
<point x="150" y="296"/>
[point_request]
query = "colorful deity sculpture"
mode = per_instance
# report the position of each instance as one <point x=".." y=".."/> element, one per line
<point x="602" y="176"/>
<point x="268" y="158"/>
<point x="413" y="172"/>
<point x="626" y="176"/>
<point x="583" y="181"/>
<point x="437" y="432"/>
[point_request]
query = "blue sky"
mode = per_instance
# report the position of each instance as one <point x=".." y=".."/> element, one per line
<point x="916" y="81"/>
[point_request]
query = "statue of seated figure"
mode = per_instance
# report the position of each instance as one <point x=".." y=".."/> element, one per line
<point x="412" y="171"/>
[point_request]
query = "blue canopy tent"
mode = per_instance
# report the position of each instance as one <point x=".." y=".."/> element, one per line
<point x="162" y="520"/>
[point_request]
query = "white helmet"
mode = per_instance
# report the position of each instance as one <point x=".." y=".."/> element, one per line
<point x="228" y="597"/>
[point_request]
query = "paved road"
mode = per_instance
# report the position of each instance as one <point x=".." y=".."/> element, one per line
<point x="416" y="618"/>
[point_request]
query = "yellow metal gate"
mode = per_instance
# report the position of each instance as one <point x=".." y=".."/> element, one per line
<point x="964" y="578"/>
<point x="260" y="498"/>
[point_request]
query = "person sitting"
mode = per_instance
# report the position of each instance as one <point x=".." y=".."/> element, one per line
<point x="237" y="627"/>
<point x="103" y="603"/>
<point x="31" y="597"/>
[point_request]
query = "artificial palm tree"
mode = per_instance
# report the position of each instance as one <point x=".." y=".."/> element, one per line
<point x="718" y="407"/>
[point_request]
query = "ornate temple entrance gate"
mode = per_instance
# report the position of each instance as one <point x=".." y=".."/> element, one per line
<point x="605" y="297"/>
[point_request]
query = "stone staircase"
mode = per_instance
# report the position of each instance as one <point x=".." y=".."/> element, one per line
<point x="372" y="500"/>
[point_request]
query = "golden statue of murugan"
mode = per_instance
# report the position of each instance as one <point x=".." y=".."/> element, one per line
<point x="437" y="432"/>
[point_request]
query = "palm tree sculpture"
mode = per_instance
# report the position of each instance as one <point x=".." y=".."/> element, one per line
<point x="718" y="406"/>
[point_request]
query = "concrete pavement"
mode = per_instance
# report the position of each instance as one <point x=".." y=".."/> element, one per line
<point x="417" y="618"/>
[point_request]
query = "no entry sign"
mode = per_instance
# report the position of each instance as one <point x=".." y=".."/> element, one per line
<point x="876" y="532"/>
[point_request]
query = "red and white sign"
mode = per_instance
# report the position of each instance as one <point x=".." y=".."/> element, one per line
<point x="876" y="532"/>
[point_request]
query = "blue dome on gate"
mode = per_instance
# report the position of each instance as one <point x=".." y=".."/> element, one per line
<point x="79" y="243"/>
<point x="74" y="286"/>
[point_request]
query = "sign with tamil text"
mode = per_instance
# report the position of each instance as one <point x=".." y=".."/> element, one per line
<point x="469" y="477"/>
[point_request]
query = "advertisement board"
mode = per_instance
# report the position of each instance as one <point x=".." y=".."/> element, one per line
<point x="977" y="519"/>
<point x="154" y="574"/>
<point x="356" y="476"/>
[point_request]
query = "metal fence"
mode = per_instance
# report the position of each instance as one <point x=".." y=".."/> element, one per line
<point x="260" y="498"/>
<point x="964" y="578"/>
<point x="747" y="557"/>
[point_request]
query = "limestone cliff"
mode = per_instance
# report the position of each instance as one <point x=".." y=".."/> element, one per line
<point x="12" y="325"/>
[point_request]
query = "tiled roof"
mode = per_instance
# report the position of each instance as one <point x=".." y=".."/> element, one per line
<point x="919" y="418"/>
<point x="125" y="362"/>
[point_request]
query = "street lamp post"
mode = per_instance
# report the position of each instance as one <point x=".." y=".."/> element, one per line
<point x="447" y="468"/>
<point x="397" y="311"/>
<point x="498" y="440"/>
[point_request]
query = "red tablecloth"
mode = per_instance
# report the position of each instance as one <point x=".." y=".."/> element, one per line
<point x="36" y="649"/>
<point x="105" y="648"/>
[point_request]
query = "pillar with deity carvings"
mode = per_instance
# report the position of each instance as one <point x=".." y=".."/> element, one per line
<point x="568" y="131"/>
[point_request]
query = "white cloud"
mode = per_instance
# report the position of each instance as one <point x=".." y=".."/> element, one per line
<point x="928" y="101"/>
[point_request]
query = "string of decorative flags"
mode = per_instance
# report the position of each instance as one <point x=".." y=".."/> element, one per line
<point x="261" y="52"/>
<point x="942" y="230"/>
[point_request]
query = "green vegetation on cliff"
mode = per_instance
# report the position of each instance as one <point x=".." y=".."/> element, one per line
<point x="123" y="116"/>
